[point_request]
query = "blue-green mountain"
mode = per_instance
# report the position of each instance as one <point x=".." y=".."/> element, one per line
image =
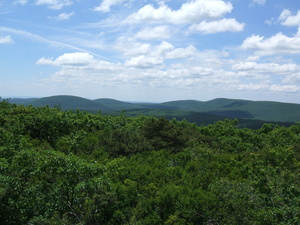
<point x="249" y="113"/>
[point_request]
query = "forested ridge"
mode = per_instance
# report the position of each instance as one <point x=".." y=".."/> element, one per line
<point x="251" y="114"/>
<point x="74" y="167"/>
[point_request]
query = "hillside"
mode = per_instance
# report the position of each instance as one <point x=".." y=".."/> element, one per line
<point x="116" y="105"/>
<point x="194" y="111"/>
<point x="69" y="102"/>
<point x="262" y="110"/>
<point x="22" y="101"/>
<point x="243" y="109"/>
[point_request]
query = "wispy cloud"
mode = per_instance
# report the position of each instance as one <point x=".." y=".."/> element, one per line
<point x="106" y="4"/>
<point x="155" y="33"/>
<point x="49" y="42"/>
<point x="54" y="4"/>
<point x="63" y="16"/>
<point x="260" y="2"/>
<point x="22" y="2"/>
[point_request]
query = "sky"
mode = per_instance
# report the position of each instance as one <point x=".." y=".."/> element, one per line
<point x="152" y="51"/>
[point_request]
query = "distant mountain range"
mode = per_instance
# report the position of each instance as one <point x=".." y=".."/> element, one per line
<point x="250" y="113"/>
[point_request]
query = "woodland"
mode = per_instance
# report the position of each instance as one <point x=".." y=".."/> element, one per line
<point x="75" y="167"/>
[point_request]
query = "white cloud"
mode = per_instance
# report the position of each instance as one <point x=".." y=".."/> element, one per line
<point x="144" y="61"/>
<point x="284" y="88"/>
<point x="287" y="19"/>
<point x="155" y="55"/>
<point x="69" y="59"/>
<point x="182" y="53"/>
<point x="64" y="16"/>
<point x="140" y="71"/>
<point x="129" y="46"/>
<point x="284" y="14"/>
<point x="277" y="44"/>
<point x="274" y="68"/>
<point x="163" y="48"/>
<point x="265" y="71"/>
<point x="54" y="4"/>
<point x="158" y="68"/>
<point x="218" y="26"/>
<point x="6" y="40"/>
<point x="132" y="48"/>
<point x="106" y="4"/>
<point x="253" y="58"/>
<point x="80" y="66"/>
<point x="293" y="79"/>
<point x="267" y="87"/>
<point x="270" y="21"/>
<point x="260" y="2"/>
<point x="148" y="33"/>
<point x="190" y="12"/>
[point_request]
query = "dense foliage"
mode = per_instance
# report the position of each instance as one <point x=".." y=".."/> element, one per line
<point x="73" y="167"/>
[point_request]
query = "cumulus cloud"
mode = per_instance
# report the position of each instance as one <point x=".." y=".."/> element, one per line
<point x="157" y="68"/>
<point x="218" y="26"/>
<point x="190" y="12"/>
<point x="6" y="40"/>
<point x="182" y="53"/>
<point x="80" y="67"/>
<point x="155" y="55"/>
<point x="141" y="70"/>
<point x="265" y="71"/>
<point x="277" y="44"/>
<point x="287" y="19"/>
<point x="69" y="59"/>
<point x="155" y="33"/>
<point x="106" y="4"/>
<point x="54" y="4"/>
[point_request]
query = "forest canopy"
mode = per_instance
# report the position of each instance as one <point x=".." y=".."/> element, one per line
<point x="74" y="167"/>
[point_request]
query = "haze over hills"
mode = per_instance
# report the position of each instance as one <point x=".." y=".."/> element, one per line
<point x="201" y="112"/>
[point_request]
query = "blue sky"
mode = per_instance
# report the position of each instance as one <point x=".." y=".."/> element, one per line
<point x="152" y="51"/>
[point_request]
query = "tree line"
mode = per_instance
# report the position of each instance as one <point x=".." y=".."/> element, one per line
<point x="74" y="167"/>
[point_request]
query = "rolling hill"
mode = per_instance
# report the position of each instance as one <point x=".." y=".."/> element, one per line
<point x="67" y="102"/>
<point x="260" y="110"/>
<point x="116" y="105"/>
<point x="200" y="112"/>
